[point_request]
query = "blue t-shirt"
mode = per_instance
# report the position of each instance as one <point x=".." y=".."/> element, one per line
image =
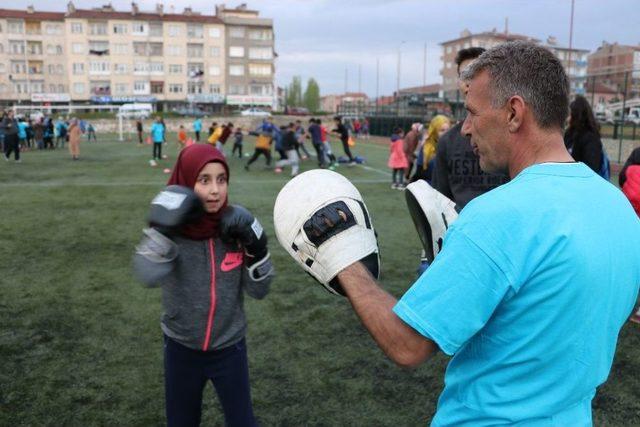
<point x="22" y="130"/>
<point x="157" y="132"/>
<point x="529" y="293"/>
<point x="197" y="125"/>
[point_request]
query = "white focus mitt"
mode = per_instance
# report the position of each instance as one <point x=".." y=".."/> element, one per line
<point x="322" y="222"/>
<point x="432" y="214"/>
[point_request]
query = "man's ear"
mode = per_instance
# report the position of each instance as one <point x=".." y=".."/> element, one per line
<point x="516" y="109"/>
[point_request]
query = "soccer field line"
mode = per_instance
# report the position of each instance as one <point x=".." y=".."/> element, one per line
<point x="154" y="183"/>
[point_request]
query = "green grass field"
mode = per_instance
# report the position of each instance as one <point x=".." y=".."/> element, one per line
<point x="80" y="342"/>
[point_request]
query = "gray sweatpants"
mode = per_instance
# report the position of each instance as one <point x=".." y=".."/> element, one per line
<point x="291" y="160"/>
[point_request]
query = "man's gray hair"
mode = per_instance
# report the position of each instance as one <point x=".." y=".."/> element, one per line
<point x="530" y="71"/>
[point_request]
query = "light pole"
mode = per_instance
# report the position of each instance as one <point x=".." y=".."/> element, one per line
<point x="398" y="77"/>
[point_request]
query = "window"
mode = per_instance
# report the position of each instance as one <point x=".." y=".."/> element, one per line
<point x="34" y="48"/>
<point x="140" y="87"/>
<point x="174" y="30"/>
<point x="260" y="90"/>
<point x="214" y="52"/>
<point x="194" y="50"/>
<point x="175" y="88"/>
<point x="122" y="88"/>
<point x="120" y="48"/>
<point x="77" y="48"/>
<point x="260" y="53"/>
<point x="78" y="88"/>
<point x="53" y="29"/>
<point x="100" y="87"/>
<point x="37" y="86"/>
<point x="99" y="48"/>
<point x="52" y="69"/>
<point x="155" y="29"/>
<point x="120" y="68"/>
<point x="157" y="87"/>
<point x="261" y="35"/>
<point x="236" y="90"/>
<point x="99" y="67"/>
<point x="195" y="69"/>
<point x="20" y="86"/>
<point x="18" y="67"/>
<point x="214" y="88"/>
<point x="59" y="69"/>
<point x="52" y="88"/>
<point x="139" y="49"/>
<point x="236" y="70"/>
<point x="3" y="68"/>
<point x="139" y="29"/>
<point x="98" y="28"/>
<point x="214" y="32"/>
<point x="175" y="68"/>
<point x="120" y="28"/>
<point x="17" y="47"/>
<point x="35" y="67"/>
<point x="174" y="50"/>
<point x="1" y="48"/>
<point x="15" y="27"/>
<point x="78" y="68"/>
<point x="194" y="87"/>
<point x="236" y="52"/>
<point x="214" y="70"/>
<point x="3" y="88"/>
<point x="194" y="31"/>
<point x="76" y="27"/>
<point x="236" y="32"/>
<point x="141" y="68"/>
<point x="156" y="67"/>
<point x="58" y="49"/>
<point x="155" y="49"/>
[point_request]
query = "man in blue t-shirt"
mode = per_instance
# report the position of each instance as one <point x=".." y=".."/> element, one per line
<point x="545" y="269"/>
<point x="157" y="135"/>
<point x="197" y="128"/>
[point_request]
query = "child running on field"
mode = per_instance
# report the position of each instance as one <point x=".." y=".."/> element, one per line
<point x="237" y="142"/>
<point x="397" y="159"/>
<point x="182" y="138"/>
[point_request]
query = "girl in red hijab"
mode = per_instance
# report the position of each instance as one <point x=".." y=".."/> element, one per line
<point x="204" y="266"/>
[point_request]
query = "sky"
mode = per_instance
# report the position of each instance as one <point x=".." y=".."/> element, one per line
<point x="339" y="42"/>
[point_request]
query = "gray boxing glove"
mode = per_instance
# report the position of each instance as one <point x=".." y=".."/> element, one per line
<point x="173" y="207"/>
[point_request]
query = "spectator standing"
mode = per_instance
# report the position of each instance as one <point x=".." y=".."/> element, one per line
<point x="197" y="128"/>
<point x="139" y="131"/>
<point x="9" y="127"/>
<point x="397" y="160"/>
<point x="75" y="135"/>
<point x="582" y="137"/>
<point x="91" y="131"/>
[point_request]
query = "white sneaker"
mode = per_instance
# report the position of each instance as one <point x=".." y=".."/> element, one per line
<point x="153" y="163"/>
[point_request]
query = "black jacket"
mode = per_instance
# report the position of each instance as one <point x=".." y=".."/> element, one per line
<point x="585" y="147"/>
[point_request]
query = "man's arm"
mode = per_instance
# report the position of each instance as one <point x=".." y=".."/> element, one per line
<point x="373" y="305"/>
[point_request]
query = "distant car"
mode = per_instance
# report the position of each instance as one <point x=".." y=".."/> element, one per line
<point x="297" y="111"/>
<point x="255" y="112"/>
<point x="192" y="112"/>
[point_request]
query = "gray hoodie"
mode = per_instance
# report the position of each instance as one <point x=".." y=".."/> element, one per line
<point x="202" y="295"/>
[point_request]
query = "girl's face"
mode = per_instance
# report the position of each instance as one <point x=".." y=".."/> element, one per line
<point x="443" y="129"/>
<point x="211" y="186"/>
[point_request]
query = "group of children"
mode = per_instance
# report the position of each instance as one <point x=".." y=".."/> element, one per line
<point x="416" y="150"/>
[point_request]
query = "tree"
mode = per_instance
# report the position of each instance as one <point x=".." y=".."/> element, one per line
<point x="311" y="98"/>
<point x="294" y="92"/>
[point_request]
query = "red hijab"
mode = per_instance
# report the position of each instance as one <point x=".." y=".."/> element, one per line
<point x="190" y="162"/>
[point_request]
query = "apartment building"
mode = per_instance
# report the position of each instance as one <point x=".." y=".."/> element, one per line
<point x="106" y="56"/>
<point x="250" y="57"/>
<point x="609" y="65"/>
<point x="574" y="60"/>
<point x="32" y="61"/>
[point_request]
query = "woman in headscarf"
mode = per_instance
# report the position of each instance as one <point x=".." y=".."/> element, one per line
<point x="75" y="134"/>
<point x="204" y="264"/>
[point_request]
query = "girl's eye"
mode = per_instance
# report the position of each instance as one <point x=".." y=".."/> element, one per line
<point x="222" y="180"/>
